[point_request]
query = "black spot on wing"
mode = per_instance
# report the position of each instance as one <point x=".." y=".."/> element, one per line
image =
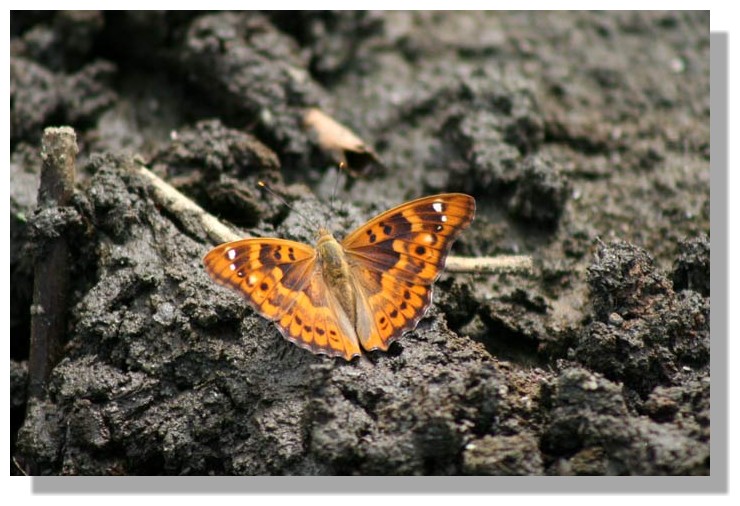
<point x="401" y="227"/>
<point x="266" y="254"/>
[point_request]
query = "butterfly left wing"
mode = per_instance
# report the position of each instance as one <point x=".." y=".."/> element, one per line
<point x="396" y="257"/>
<point x="269" y="273"/>
<point x="281" y="281"/>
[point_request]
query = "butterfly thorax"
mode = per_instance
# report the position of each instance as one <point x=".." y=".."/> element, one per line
<point x="336" y="272"/>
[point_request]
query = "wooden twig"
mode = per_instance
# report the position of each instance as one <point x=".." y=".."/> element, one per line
<point x="19" y="467"/>
<point x="489" y="265"/>
<point x="51" y="272"/>
<point x="177" y="203"/>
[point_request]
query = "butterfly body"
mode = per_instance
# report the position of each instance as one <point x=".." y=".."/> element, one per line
<point x="335" y="270"/>
<point x="361" y="293"/>
<point x="334" y="266"/>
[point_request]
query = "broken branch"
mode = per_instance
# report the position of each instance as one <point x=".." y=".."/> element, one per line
<point x="51" y="272"/>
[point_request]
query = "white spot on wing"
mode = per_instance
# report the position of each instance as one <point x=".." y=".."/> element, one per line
<point x="231" y="254"/>
<point x="252" y="279"/>
<point x="443" y="218"/>
<point x="438" y="206"/>
<point x="232" y="267"/>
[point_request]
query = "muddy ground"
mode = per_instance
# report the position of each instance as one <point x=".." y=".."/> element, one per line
<point x="583" y="136"/>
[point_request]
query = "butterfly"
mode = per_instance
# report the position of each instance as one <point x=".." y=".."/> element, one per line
<point x="339" y="298"/>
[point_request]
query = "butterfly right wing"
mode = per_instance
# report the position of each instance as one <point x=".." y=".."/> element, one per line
<point x="281" y="281"/>
<point x="397" y="256"/>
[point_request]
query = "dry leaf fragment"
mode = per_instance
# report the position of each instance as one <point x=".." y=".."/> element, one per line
<point x="342" y="144"/>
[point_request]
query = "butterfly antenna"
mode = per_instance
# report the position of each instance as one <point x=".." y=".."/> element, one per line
<point x="342" y="166"/>
<point x="262" y="184"/>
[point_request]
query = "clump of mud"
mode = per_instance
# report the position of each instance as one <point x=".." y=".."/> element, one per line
<point x="583" y="136"/>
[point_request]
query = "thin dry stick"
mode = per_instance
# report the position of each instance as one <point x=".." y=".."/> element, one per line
<point x="489" y="265"/>
<point x="177" y="203"/>
<point x="51" y="272"/>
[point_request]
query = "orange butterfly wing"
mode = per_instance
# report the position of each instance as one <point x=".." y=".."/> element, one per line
<point x="281" y="280"/>
<point x="396" y="257"/>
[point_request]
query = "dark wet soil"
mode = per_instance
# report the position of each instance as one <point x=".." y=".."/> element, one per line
<point x="583" y="136"/>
